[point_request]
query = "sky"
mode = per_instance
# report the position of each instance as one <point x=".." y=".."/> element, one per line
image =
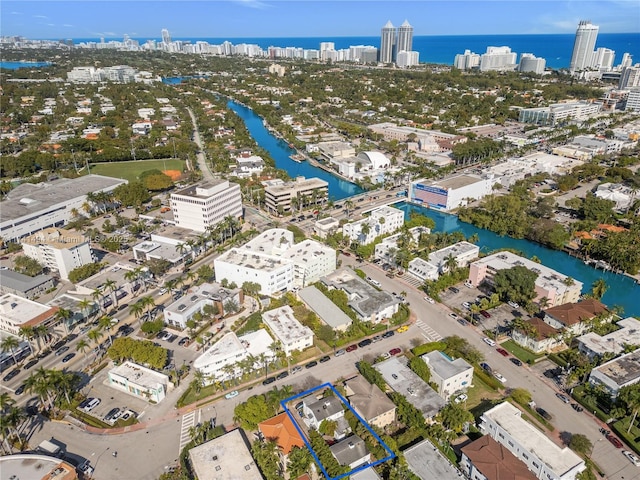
<point x="52" y="19"/>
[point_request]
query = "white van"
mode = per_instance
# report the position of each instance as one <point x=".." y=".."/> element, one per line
<point x="489" y="341"/>
<point x="374" y="282"/>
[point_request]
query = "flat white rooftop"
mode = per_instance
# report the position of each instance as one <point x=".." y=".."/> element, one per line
<point x="284" y="325"/>
<point x="255" y="260"/>
<point x="145" y="377"/>
<point x="219" y="351"/>
<point x="224" y="458"/>
<point x="560" y="460"/>
<point x="614" y="342"/>
<point x="20" y="311"/>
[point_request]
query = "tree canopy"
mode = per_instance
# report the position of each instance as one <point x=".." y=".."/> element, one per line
<point x="516" y="284"/>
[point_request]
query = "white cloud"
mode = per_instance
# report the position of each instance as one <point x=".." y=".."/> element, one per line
<point x="67" y="25"/>
<point x="40" y="16"/>
<point x="252" y="3"/>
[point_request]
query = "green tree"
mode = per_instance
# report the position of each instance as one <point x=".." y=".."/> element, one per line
<point x="298" y="462"/>
<point x="599" y="288"/>
<point x="454" y="416"/>
<point x="250" y="413"/>
<point x="27" y="266"/>
<point x="581" y="444"/>
<point x="521" y="396"/>
<point x="516" y="284"/>
<point x="420" y="368"/>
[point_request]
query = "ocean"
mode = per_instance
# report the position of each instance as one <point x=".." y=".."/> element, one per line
<point x="555" y="48"/>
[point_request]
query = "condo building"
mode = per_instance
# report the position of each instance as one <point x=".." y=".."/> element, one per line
<point x="387" y="43"/>
<point x="583" y="46"/>
<point x="279" y="196"/>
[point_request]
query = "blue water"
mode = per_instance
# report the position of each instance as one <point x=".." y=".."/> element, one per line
<point x="442" y="49"/>
<point x="280" y="151"/>
<point x="623" y="291"/>
<point x="17" y="65"/>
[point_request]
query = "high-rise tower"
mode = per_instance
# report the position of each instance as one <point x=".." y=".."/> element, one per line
<point x="405" y="37"/>
<point x="387" y="42"/>
<point x="166" y="37"/>
<point x="583" y="46"/>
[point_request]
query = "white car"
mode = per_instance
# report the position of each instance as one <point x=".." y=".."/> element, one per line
<point x="499" y="377"/>
<point x="489" y="341"/>
<point x="468" y="284"/>
<point x="429" y="299"/>
<point x="385" y="356"/>
<point x="466" y="305"/>
<point x="461" y="398"/>
<point x="230" y="395"/>
<point x="296" y="370"/>
<point x="513" y="304"/>
<point x="162" y="291"/>
<point x="632" y="458"/>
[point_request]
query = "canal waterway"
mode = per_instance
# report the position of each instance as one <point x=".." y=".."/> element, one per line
<point x="623" y="291"/>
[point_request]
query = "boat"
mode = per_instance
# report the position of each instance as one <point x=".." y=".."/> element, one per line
<point x="298" y="157"/>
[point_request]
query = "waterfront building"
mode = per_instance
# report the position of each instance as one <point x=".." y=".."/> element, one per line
<point x="227" y="457"/>
<point x="545" y="459"/>
<point x="603" y="59"/>
<point x="387" y="43"/>
<point x="197" y="298"/>
<point x="575" y="318"/>
<point x="139" y="381"/>
<point x="530" y="63"/>
<point x="498" y="58"/>
<point x="407" y="59"/>
<point x="288" y="330"/>
<point x="17" y="312"/>
<point x="583" y="46"/>
<point x="381" y="221"/>
<point x="450" y="193"/>
<point x="30" y="207"/>
<point x="166" y="36"/>
<point x="405" y="37"/>
<point x="467" y="60"/>
<point x="486" y="459"/>
<point x="306" y="191"/>
<point x="203" y="206"/>
<point x="58" y="250"/>
<point x="451" y="376"/>
<point x="596" y="346"/>
<point x="385" y="250"/>
<point x="629" y="77"/>
<point x="550" y="284"/>
<point x="617" y="373"/>
<point x="248" y="165"/>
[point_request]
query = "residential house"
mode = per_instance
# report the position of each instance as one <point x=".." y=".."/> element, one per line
<point x="451" y="376"/>
<point x="351" y="452"/>
<point x="574" y="318"/>
<point x="282" y="430"/>
<point x="538" y="336"/>
<point x="371" y="403"/>
<point x="486" y="459"/>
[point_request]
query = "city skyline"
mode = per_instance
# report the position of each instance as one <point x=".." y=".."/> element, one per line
<point x="308" y="18"/>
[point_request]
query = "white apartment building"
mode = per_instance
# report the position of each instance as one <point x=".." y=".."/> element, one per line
<point x="230" y="350"/>
<point x="139" y="381"/>
<point x="407" y="59"/>
<point x="550" y="284"/>
<point x="288" y="330"/>
<point x="633" y="100"/>
<point x="530" y="63"/>
<point x="307" y="191"/>
<point x="498" y="58"/>
<point x="462" y="252"/>
<point x="381" y="221"/>
<point x="59" y="250"/>
<point x="451" y="193"/>
<point x="17" y="312"/>
<point x="275" y="262"/>
<point x="29" y="207"/>
<point x="385" y="250"/>
<point x="248" y="165"/>
<point x="547" y="461"/>
<point x="451" y="376"/>
<point x="559" y="112"/>
<point x="466" y="60"/>
<point x="182" y="310"/>
<point x="202" y="206"/>
<point x="617" y="373"/>
<point x="422" y="269"/>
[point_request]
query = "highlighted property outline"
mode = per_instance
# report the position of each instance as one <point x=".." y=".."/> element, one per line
<point x="283" y="404"/>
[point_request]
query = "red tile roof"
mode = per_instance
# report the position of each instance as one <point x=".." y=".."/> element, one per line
<point x="573" y="313"/>
<point x="281" y="429"/>
<point x="495" y="462"/>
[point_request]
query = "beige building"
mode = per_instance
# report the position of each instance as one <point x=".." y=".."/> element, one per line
<point x="306" y="191"/>
<point x="370" y="402"/>
<point x="17" y="312"/>
<point x="227" y="457"/>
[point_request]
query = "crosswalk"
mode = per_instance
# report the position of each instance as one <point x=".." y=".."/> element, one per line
<point x="411" y="280"/>
<point x="188" y="421"/>
<point x="428" y="332"/>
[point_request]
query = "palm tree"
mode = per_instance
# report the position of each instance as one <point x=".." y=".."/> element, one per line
<point x="348" y="205"/>
<point x="450" y="263"/>
<point x="365" y="230"/>
<point x="112" y="286"/>
<point x="98" y="298"/>
<point x="82" y="346"/>
<point x="62" y="316"/>
<point x="27" y="332"/>
<point x="9" y="344"/>
<point x="39" y="382"/>
<point x="198" y="380"/>
<point x="85" y="306"/>
<point x="6" y="401"/>
<point x="136" y="309"/>
<point x="11" y="423"/>
<point x="40" y="332"/>
<point x="149" y="303"/>
<point x="599" y="288"/>
<point x="132" y="277"/>
<point x="104" y="324"/>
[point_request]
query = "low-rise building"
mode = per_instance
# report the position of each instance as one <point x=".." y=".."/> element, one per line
<point x="24" y="285"/>
<point x="326" y="226"/>
<point x="326" y="310"/>
<point x="227" y="457"/>
<point x="17" y="312"/>
<point x="140" y="381"/>
<point x="196" y="298"/>
<point x="351" y="452"/>
<point x="574" y="318"/>
<point x="617" y="373"/>
<point x="281" y="430"/>
<point x="594" y="345"/>
<point x="426" y="461"/>
<point x="402" y="379"/>
<point x="423" y="270"/>
<point x="622" y="195"/>
<point x="279" y="198"/>
<point x="58" y="250"/>
<point x="547" y="461"/>
<point x="452" y="192"/>
<point x="381" y="221"/>
<point x="315" y="411"/>
<point x="461" y="252"/>
<point x="287" y="330"/>
<point x="369" y="303"/>
<point x="552" y="285"/>
<point x="371" y="403"/>
<point x="388" y="247"/>
<point x="538" y="336"/>
<point x="486" y="459"/>
<point x="559" y="113"/>
<point x="451" y="376"/>
<point x="30" y="465"/>
<point x="248" y="165"/>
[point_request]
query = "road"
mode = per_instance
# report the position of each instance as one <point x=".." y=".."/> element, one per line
<point x="200" y="155"/>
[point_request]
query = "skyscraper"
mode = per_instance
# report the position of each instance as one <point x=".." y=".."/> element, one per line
<point x="166" y="37"/>
<point x="387" y="42"/>
<point x="405" y="37"/>
<point x="583" y="46"/>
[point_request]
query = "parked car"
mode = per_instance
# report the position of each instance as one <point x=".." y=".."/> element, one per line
<point x="93" y="403"/>
<point x="68" y="357"/>
<point x="462" y="322"/>
<point x="385" y="356"/>
<point x="388" y="334"/>
<point x="351" y="348"/>
<point x="311" y="364"/>
<point x="577" y="407"/>
<point x="395" y="351"/>
<point x="20" y="389"/>
<point x="30" y="364"/>
<point x="466" y="305"/>
<point x="364" y="343"/>
<point x="564" y="398"/>
<point x="486" y="367"/>
<point x="544" y="414"/>
<point x="502" y="352"/>
<point x="499" y="377"/>
<point x="377" y="338"/>
<point x="296" y="369"/>
<point x="485" y="314"/>
<point x="614" y="441"/>
<point x="454" y="290"/>
<point x="326" y="358"/>
<point x="282" y="375"/>
<point x="342" y="351"/>
<point x="269" y="380"/>
<point x="516" y="361"/>
<point x="402" y="329"/>
<point x="489" y="341"/>
<point x="453" y="315"/>
<point x="632" y="458"/>
<point x="61" y="350"/>
<point x="513" y="304"/>
<point x="112" y="414"/>
<point x="184" y="341"/>
<point x="461" y="398"/>
<point x="231" y="395"/>
<point x="11" y="374"/>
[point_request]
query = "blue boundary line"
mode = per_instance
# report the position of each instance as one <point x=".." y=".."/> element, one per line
<point x="283" y="404"/>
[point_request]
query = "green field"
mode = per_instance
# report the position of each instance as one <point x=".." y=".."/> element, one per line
<point x="130" y="170"/>
<point x="522" y="353"/>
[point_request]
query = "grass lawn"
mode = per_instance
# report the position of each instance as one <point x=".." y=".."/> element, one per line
<point x="633" y="437"/>
<point x="130" y="170"/>
<point x="480" y="392"/>
<point x="519" y="352"/>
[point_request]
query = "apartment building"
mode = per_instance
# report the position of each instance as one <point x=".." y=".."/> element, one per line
<point x="287" y="329"/>
<point x="381" y="221"/>
<point x="307" y="191"/>
<point x="451" y="376"/>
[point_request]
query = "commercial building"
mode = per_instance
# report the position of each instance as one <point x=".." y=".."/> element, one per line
<point x="351" y="452"/>
<point x="28" y="465"/>
<point x="196" y="298"/>
<point x="514" y="169"/>
<point x="381" y="221"/>
<point x="174" y="244"/>
<point x="203" y="206"/>
<point x="326" y="310"/>
<point x="452" y="192"/>
<point x="403" y="380"/>
<point x="583" y="46"/>
<point x="287" y="330"/>
<point x="227" y="457"/>
<point x="307" y="191"/>
<point x="58" y="250"/>
<point x="30" y="207"/>
<point x="24" y="285"/>
<point x="335" y="150"/>
<point x="559" y="113"/>
<point x="391" y="131"/>
<point x="326" y="226"/>
<point x="229" y="351"/>
<point x="617" y="373"/>
<point x="629" y="77"/>
<point x="486" y="459"/>
<point x="11" y="357"/>
<point x="369" y="303"/>
<point x="451" y="376"/>
<point x="427" y="462"/>
<point x="550" y="284"/>
<point x="371" y="403"/>
<point x="139" y="381"/>
<point x="547" y="461"/>
<point x="17" y="312"/>
<point x="498" y="59"/>
<point x="594" y="345"/>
